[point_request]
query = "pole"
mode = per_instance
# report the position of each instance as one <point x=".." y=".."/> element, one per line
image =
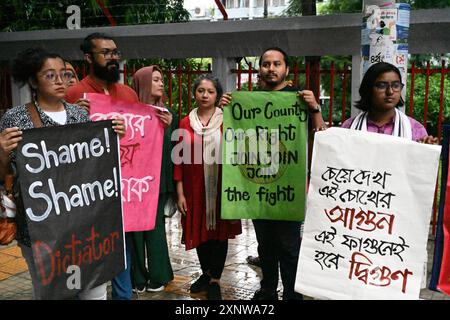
<point x="265" y="9"/>
<point x="384" y="37"/>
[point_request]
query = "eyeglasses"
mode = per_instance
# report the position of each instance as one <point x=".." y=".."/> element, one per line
<point x="395" y="86"/>
<point x="72" y="75"/>
<point x="109" y="54"/>
<point x="52" y="76"/>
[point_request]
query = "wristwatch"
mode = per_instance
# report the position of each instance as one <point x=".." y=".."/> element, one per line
<point x="316" y="109"/>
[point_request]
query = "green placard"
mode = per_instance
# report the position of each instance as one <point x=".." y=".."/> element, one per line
<point x="264" y="156"/>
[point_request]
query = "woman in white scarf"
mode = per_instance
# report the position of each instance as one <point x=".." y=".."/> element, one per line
<point x="198" y="187"/>
<point x="380" y="93"/>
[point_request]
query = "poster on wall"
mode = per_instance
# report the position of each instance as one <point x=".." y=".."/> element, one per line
<point x="384" y="37"/>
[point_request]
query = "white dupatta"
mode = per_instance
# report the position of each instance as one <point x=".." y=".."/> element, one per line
<point x="212" y="136"/>
<point x="402" y="125"/>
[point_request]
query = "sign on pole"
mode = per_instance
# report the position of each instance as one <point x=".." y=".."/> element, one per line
<point x="384" y="35"/>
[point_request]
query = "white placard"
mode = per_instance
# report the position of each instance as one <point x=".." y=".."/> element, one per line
<point x="368" y="213"/>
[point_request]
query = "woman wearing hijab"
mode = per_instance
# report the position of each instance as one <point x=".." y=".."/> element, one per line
<point x="70" y="69"/>
<point x="149" y="86"/>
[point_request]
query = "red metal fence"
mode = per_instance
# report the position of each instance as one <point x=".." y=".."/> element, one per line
<point x="179" y="83"/>
<point x="344" y="74"/>
<point x="305" y="73"/>
<point x="340" y="107"/>
<point x="336" y="82"/>
<point x="428" y="72"/>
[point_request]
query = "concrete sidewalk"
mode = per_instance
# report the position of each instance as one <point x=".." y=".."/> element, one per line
<point x="239" y="279"/>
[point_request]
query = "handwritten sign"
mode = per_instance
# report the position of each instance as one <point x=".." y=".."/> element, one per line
<point x="264" y="157"/>
<point x="368" y="213"/>
<point x="140" y="157"/>
<point x="70" y="185"/>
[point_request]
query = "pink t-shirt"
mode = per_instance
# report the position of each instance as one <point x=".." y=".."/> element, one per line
<point x="418" y="130"/>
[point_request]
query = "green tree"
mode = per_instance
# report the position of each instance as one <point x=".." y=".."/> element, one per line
<point x="341" y="6"/>
<point x="137" y="12"/>
<point x="25" y="15"/>
<point x="433" y="101"/>
<point x="20" y="15"/>
<point x="346" y="6"/>
<point x="426" y="4"/>
<point x="174" y="65"/>
<point x="294" y="8"/>
<point x="307" y="8"/>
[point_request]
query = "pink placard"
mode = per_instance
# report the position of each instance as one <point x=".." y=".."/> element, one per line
<point x="140" y="157"/>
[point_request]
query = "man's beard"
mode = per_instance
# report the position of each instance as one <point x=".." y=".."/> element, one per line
<point x="105" y="73"/>
<point x="270" y="82"/>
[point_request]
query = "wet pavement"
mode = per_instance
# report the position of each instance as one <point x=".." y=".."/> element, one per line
<point x="239" y="279"/>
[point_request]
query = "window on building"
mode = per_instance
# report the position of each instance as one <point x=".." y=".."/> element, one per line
<point x="277" y="3"/>
<point x="230" y="4"/>
<point x="270" y="3"/>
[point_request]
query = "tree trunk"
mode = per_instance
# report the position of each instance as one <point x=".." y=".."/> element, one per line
<point x="309" y="9"/>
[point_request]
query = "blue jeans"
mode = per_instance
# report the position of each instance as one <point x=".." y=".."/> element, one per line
<point x="121" y="284"/>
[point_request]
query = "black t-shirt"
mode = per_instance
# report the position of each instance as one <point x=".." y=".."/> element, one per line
<point x="289" y="89"/>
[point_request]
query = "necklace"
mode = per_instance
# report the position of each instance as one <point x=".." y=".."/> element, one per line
<point x="209" y="119"/>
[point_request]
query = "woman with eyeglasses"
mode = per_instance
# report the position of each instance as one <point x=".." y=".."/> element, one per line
<point x="380" y="93"/>
<point x="198" y="186"/>
<point x="47" y="77"/>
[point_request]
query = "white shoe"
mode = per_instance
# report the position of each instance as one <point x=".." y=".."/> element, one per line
<point x="139" y="289"/>
<point x="154" y="287"/>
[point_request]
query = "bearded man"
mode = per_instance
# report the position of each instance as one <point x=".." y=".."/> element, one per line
<point x="102" y="55"/>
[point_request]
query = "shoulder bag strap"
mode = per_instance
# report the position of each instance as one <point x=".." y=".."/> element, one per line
<point x="37" y="123"/>
<point x="34" y="114"/>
